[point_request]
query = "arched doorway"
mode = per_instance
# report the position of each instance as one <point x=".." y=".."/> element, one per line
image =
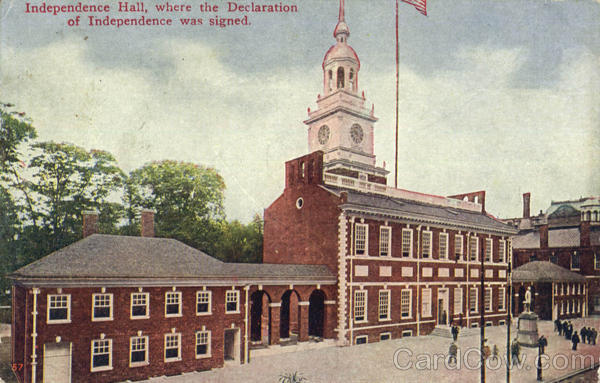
<point x="260" y="317"/>
<point x="316" y="313"/>
<point x="288" y="315"/>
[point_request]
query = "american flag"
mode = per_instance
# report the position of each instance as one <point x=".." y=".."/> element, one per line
<point x="420" y="5"/>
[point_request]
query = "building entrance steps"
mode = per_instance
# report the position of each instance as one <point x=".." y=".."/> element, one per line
<point x="446" y="331"/>
<point x="299" y="346"/>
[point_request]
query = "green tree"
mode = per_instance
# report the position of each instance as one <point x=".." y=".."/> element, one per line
<point x="187" y="198"/>
<point x="66" y="180"/>
<point x="241" y="243"/>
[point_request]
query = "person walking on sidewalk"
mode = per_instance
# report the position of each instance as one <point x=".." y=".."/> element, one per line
<point x="542" y="343"/>
<point x="452" y="352"/>
<point x="515" y="350"/>
<point x="575" y="339"/>
<point x="455" y="331"/>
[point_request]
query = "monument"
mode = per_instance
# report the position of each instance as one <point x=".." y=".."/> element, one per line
<point x="527" y="330"/>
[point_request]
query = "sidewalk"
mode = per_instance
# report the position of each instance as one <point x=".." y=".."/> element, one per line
<point x="418" y="359"/>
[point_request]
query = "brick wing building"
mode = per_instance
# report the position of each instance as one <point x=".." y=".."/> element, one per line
<point x="568" y="235"/>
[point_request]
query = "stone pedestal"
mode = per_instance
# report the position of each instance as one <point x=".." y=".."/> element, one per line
<point x="527" y="333"/>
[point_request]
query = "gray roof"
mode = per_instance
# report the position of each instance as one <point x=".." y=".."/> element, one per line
<point x="544" y="271"/>
<point x="421" y="211"/>
<point x="529" y="240"/>
<point x="564" y="237"/>
<point x="113" y="256"/>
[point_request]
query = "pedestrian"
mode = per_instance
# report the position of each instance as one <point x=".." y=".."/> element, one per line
<point x="495" y="352"/>
<point x="557" y="325"/>
<point x="594" y="335"/>
<point x="455" y="331"/>
<point x="486" y="350"/>
<point x="444" y="316"/>
<point x="575" y="339"/>
<point x="560" y="327"/>
<point x="542" y="343"/>
<point x="452" y="352"/>
<point x="515" y="350"/>
<point x="460" y="320"/>
<point x="584" y="334"/>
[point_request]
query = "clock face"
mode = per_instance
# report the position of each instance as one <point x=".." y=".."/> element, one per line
<point x="323" y="134"/>
<point x="356" y="133"/>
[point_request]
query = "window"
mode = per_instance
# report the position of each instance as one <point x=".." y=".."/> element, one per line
<point x="232" y="299"/>
<point x="554" y="258"/>
<point x="102" y="307"/>
<point x="138" y="351"/>
<point x="473" y="248"/>
<point x="384" y="304"/>
<point x="406" y="333"/>
<point x="426" y="251"/>
<point x="575" y="261"/>
<point x="202" y="344"/>
<point x="502" y="251"/>
<point x="140" y="305"/>
<point x="458" y="300"/>
<point x="473" y="300"/>
<point x="173" y="303"/>
<point x="203" y="302"/>
<point x="489" y="256"/>
<point x="385" y="237"/>
<point x="59" y="308"/>
<point x="407" y="242"/>
<point x="443" y="246"/>
<point x="360" y="238"/>
<point x="360" y="304"/>
<point x="101" y="355"/>
<point x="405" y="304"/>
<point x="363" y="339"/>
<point x="426" y="303"/>
<point x="458" y="246"/>
<point x="385" y="336"/>
<point x="172" y="347"/>
<point x="597" y="261"/>
<point x="502" y="299"/>
<point x="487" y="299"/>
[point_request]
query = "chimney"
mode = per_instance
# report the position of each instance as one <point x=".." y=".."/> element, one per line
<point x="147" y="223"/>
<point x="544" y="236"/>
<point x="90" y="222"/>
<point x="526" y="204"/>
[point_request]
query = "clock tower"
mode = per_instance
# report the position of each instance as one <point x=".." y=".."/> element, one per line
<point x="342" y="127"/>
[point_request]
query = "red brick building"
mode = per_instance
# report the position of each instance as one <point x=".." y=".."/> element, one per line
<point x="346" y="257"/>
<point x="568" y="235"/>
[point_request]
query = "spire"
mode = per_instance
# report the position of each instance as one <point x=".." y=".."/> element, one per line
<point x="341" y="28"/>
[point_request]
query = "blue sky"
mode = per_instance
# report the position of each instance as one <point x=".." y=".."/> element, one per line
<point x="495" y="95"/>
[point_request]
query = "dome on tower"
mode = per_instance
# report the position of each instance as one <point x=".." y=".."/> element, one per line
<point x="341" y="51"/>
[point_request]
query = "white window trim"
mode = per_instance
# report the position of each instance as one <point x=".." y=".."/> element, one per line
<point x="429" y="233"/>
<point x="57" y="321"/>
<point x="131" y="316"/>
<point x="458" y="309"/>
<point x="209" y="312"/>
<point x="389" y="240"/>
<point x="178" y="357"/>
<point x="444" y="254"/>
<point x="365" y="306"/>
<point x="208" y="345"/>
<point x="489" y="245"/>
<point x="237" y="302"/>
<point x="596" y="259"/>
<point x="429" y="312"/>
<point x="406" y="333"/>
<point x="491" y="303"/>
<point x="410" y="245"/>
<point x="147" y="344"/>
<point x="366" y="337"/>
<point x="178" y="293"/>
<point x="389" y="303"/>
<point x="409" y="304"/>
<point x="459" y="238"/>
<point x="502" y="299"/>
<point x="366" y="250"/>
<point x="476" y="240"/>
<point x="471" y="290"/>
<point x="102" y="319"/>
<point x="502" y="250"/>
<point x="385" y="334"/>
<point x="579" y="259"/>
<point x="101" y="368"/>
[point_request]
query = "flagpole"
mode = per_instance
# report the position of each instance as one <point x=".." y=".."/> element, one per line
<point x="397" y="91"/>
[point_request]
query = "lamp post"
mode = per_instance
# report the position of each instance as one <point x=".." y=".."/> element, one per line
<point x="539" y="363"/>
